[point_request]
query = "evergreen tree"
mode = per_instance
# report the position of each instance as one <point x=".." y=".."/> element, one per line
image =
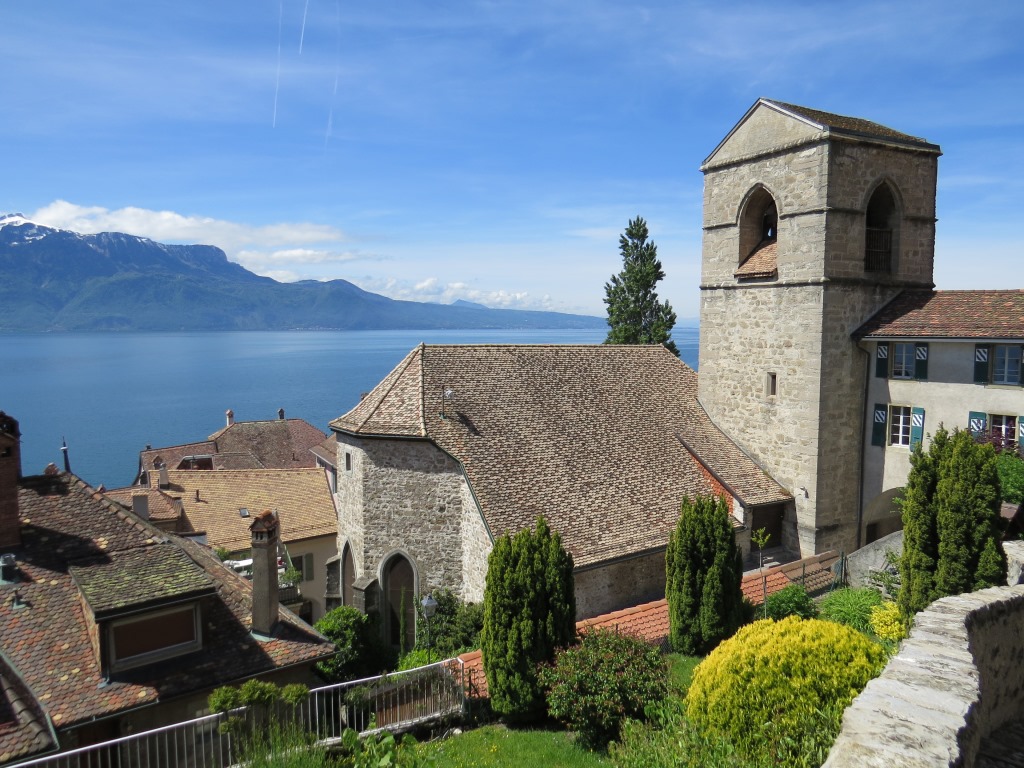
<point x="950" y="511"/>
<point x="529" y="612"/>
<point x="635" y="316"/>
<point x="703" y="573"/>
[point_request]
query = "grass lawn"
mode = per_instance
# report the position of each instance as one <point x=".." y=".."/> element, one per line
<point x="495" y="745"/>
<point x="680" y="672"/>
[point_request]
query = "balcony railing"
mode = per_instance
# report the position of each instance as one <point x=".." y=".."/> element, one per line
<point x="397" y="702"/>
<point x="878" y="250"/>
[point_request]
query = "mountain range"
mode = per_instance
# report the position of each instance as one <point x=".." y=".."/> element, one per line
<point x="58" y="280"/>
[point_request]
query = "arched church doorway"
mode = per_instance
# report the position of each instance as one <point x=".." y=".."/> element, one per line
<point x="400" y="602"/>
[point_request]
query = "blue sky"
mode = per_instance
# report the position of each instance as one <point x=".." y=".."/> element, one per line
<point x="491" y="151"/>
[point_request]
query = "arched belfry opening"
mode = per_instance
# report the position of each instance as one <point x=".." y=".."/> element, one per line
<point x="400" y="602"/>
<point x="758" y="236"/>
<point x="348" y="575"/>
<point x="882" y="228"/>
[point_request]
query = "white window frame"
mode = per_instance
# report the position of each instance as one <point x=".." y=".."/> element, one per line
<point x="1006" y="431"/>
<point x="902" y="359"/>
<point x="900" y="420"/>
<point x="1006" y="364"/>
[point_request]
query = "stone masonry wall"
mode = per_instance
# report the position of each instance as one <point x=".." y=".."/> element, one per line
<point x="622" y="584"/>
<point x="957" y="679"/>
<point x="476" y="547"/>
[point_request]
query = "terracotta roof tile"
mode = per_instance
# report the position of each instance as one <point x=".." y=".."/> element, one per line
<point x="163" y="508"/>
<point x="763" y="262"/>
<point x="586" y="435"/>
<point x="66" y="524"/>
<point x="949" y="315"/>
<point x="648" y="621"/>
<point x="302" y="498"/>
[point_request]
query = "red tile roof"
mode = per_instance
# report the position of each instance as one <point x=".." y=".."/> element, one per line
<point x="763" y="262"/>
<point x="65" y="526"/>
<point x="597" y="438"/>
<point x="993" y="315"/>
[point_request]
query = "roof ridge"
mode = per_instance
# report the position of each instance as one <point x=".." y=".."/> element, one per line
<point x="423" y="390"/>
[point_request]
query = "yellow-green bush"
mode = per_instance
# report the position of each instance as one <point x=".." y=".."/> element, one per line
<point x="887" y="622"/>
<point x="782" y="686"/>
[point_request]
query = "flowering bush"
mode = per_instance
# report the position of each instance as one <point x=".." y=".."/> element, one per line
<point x="782" y="686"/>
<point x="887" y="622"/>
<point x="592" y="687"/>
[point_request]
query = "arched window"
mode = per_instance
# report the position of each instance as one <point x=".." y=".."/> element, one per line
<point x="400" y="602"/>
<point x="758" y="236"/>
<point x="881" y="231"/>
<point x="348" y="576"/>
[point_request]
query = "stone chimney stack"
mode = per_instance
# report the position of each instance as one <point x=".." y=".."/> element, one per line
<point x="280" y="413"/>
<point x="229" y="417"/>
<point x="264" y="532"/>
<point x="140" y="505"/>
<point x="10" y="473"/>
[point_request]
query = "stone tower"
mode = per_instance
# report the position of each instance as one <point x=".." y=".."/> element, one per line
<point x="812" y="222"/>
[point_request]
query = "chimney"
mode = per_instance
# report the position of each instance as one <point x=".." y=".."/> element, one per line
<point x="165" y="478"/>
<point x="280" y="413"/>
<point x="10" y="473"/>
<point x="229" y="416"/>
<point x="140" y="505"/>
<point x="264" y="532"/>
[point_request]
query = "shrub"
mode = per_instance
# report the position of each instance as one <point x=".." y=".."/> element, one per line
<point x="703" y="571"/>
<point x="851" y="607"/>
<point x="887" y="622"/>
<point x="1011" y="476"/>
<point x="593" y="686"/>
<point x="529" y="612"/>
<point x="454" y="628"/>
<point x="361" y="651"/>
<point x="790" y="601"/>
<point x="782" y="686"/>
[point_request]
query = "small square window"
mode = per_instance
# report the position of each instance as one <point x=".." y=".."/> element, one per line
<point x="771" y="386"/>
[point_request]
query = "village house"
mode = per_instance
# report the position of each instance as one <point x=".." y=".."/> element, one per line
<point x="274" y="444"/>
<point x="217" y="508"/>
<point x="463" y="443"/>
<point x="112" y="626"/>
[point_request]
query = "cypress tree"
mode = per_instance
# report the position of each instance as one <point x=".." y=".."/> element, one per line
<point x="703" y="572"/>
<point x="529" y="612"/>
<point x="920" y="536"/>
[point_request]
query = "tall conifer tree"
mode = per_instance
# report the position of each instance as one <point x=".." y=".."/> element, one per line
<point x="703" y="573"/>
<point x="635" y="316"/>
<point x="529" y="612"/>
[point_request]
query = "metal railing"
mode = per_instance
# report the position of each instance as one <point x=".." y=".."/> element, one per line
<point x="396" y="702"/>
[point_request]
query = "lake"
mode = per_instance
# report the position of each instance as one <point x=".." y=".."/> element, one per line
<point x="111" y="394"/>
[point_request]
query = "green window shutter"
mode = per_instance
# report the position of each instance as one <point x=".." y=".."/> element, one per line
<point x="981" y="363"/>
<point x="307" y="567"/>
<point x="882" y="360"/>
<point x="916" y="427"/>
<point x="977" y="422"/>
<point x="921" y="361"/>
<point x="879" y="418"/>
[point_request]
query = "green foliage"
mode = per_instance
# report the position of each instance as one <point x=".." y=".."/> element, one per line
<point x="782" y="686"/>
<point x="790" y="601"/>
<point x="951" y="522"/>
<point x="295" y="694"/>
<point x="529" y="612"/>
<point x="511" y="748"/>
<point x="1011" y="476"/>
<point x="455" y="627"/>
<point x="280" y="745"/>
<point x="635" y="316"/>
<point x="887" y="622"/>
<point x="703" y="571"/>
<point x="224" y="699"/>
<point x="417" y="657"/>
<point x="592" y="687"/>
<point x="258" y="692"/>
<point x="851" y="607"/>
<point x="381" y="750"/>
<point x="221" y="553"/>
<point x="361" y="651"/>
<point x="680" y="672"/>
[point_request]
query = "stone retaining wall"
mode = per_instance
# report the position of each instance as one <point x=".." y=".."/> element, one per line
<point x="957" y="679"/>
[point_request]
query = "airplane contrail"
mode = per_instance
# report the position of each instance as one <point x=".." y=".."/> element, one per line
<point x="302" y="35"/>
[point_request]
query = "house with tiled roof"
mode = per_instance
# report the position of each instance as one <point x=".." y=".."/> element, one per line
<point x="940" y="357"/>
<point x="112" y="625"/>
<point x="273" y="444"/>
<point x="218" y="508"/>
<point x="825" y="352"/>
<point x="463" y="443"/>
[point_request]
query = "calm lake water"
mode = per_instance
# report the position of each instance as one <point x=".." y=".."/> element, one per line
<point x="111" y="394"/>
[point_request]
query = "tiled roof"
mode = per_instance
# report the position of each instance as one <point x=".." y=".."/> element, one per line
<point x="272" y="444"/>
<point x="23" y="727"/>
<point x="139" y="578"/>
<point x="588" y="436"/>
<point x="162" y="506"/>
<point x="327" y="451"/>
<point x="851" y="125"/>
<point x="763" y="262"/>
<point x="65" y="524"/>
<point x="301" y="497"/>
<point x="949" y="315"/>
<point x="648" y="621"/>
